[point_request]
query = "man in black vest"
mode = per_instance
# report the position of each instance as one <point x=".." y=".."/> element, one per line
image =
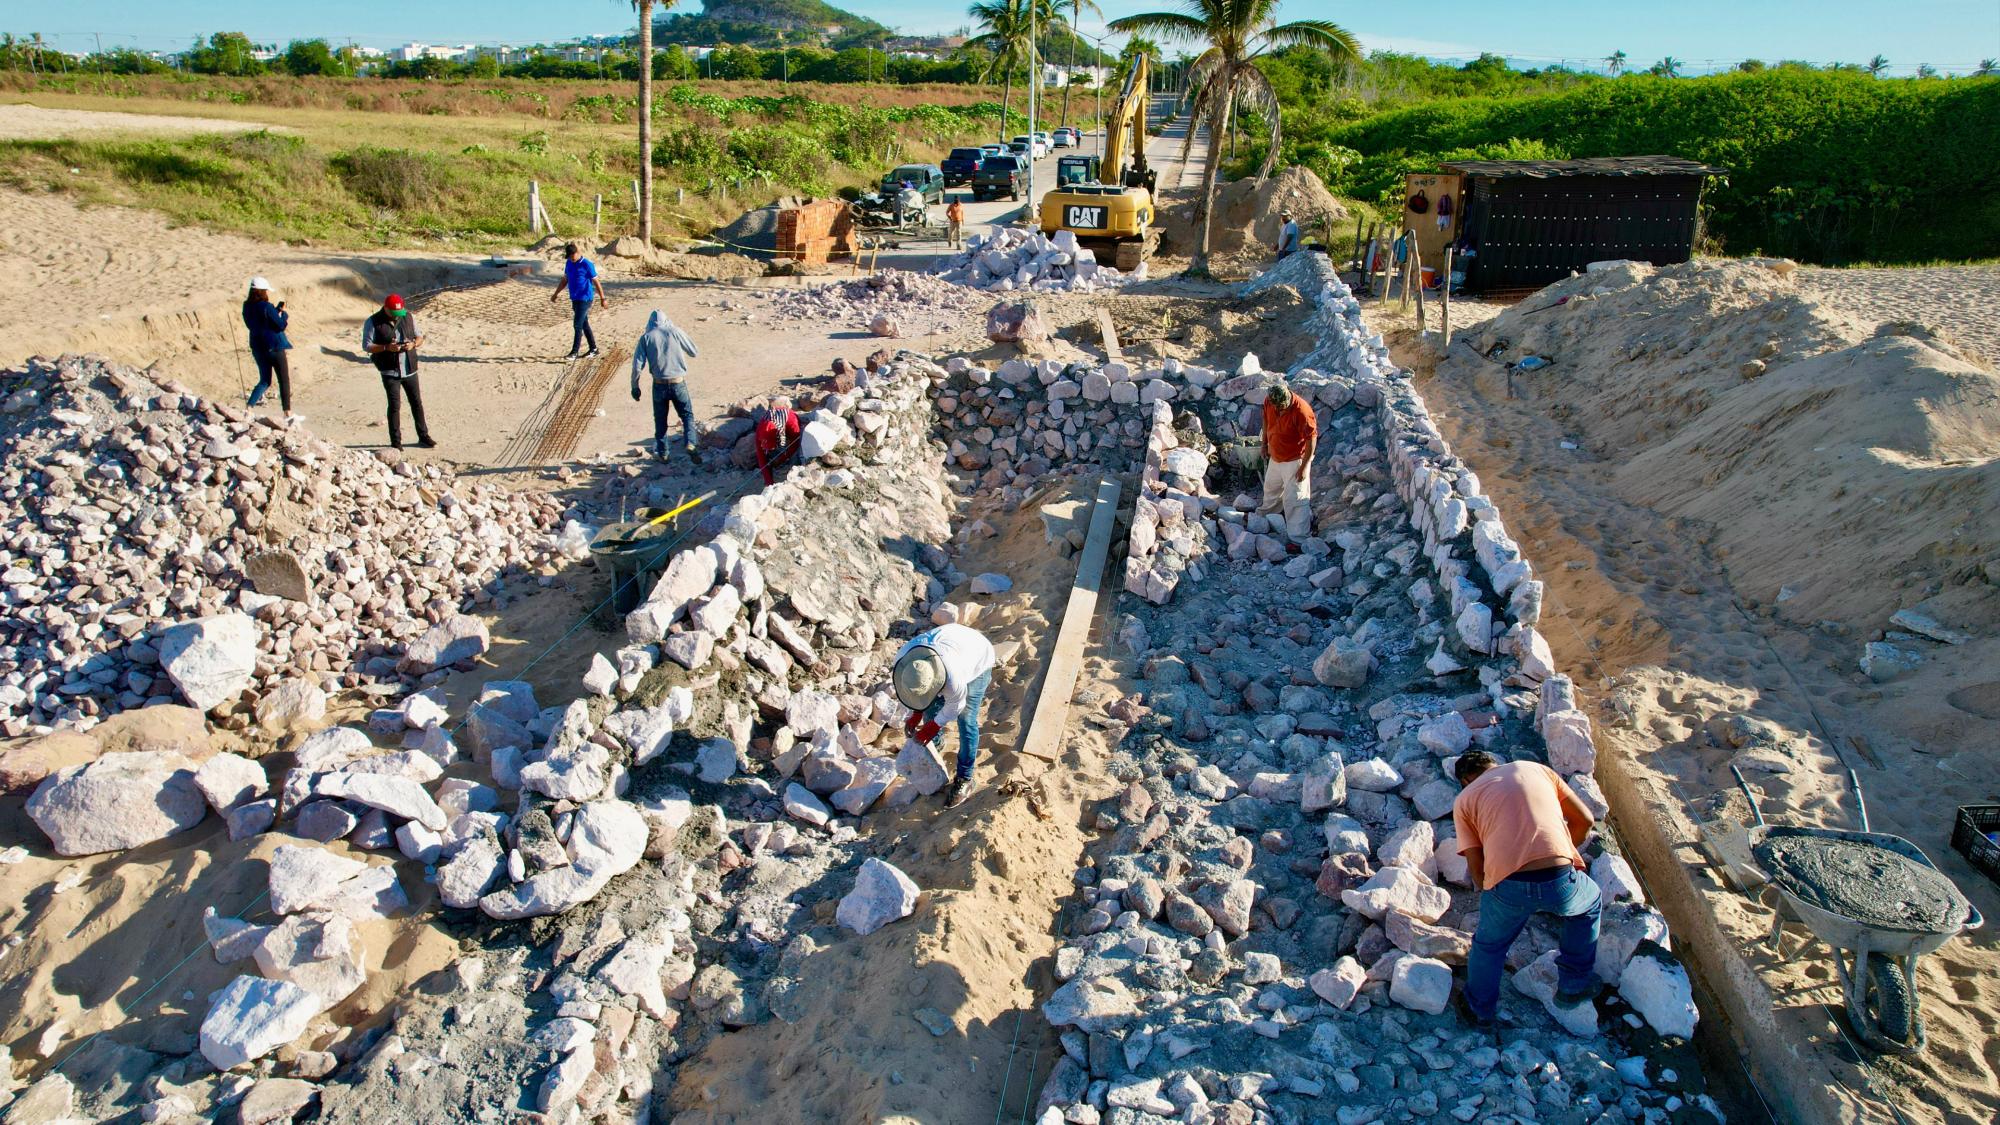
<point x="391" y="338"/>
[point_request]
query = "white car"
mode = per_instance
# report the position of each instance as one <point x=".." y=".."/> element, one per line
<point x="1037" y="143"/>
<point x="1065" y="137"/>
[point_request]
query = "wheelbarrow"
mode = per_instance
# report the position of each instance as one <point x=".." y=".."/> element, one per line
<point x="1877" y="964"/>
<point x="634" y="551"/>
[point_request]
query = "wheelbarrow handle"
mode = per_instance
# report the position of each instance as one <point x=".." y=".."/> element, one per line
<point x="1751" y="797"/>
<point x="1860" y="801"/>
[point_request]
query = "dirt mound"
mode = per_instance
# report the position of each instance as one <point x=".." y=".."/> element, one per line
<point x="1248" y="213"/>
<point x="757" y="229"/>
<point x="1720" y="390"/>
<point x="700" y="265"/>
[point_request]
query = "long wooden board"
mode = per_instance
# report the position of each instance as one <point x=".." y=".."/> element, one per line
<point x="1109" y="332"/>
<point x="1043" y="738"/>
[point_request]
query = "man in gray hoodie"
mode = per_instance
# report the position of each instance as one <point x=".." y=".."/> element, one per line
<point x="664" y="351"/>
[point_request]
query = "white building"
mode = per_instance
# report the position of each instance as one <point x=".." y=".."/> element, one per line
<point x="411" y="51"/>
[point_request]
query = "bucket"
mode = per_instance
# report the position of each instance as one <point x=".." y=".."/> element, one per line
<point x="1430" y="278"/>
<point x="633" y="554"/>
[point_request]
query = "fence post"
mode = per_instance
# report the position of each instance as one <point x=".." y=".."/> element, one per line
<point x="637" y="203"/>
<point x="534" y="207"/>
<point x="1444" y="303"/>
<point x="597" y="220"/>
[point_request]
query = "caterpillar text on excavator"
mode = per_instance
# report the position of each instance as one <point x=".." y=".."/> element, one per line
<point x="1107" y="202"/>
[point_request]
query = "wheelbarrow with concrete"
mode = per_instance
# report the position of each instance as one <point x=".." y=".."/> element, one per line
<point x="1876" y="901"/>
<point x="634" y="551"/>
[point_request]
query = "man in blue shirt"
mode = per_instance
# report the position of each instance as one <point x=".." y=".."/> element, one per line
<point x="580" y="281"/>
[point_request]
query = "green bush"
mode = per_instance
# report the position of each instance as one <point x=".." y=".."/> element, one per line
<point x="1824" y="166"/>
<point x="407" y="182"/>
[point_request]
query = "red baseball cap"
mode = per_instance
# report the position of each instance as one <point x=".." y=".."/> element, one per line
<point x="394" y="303"/>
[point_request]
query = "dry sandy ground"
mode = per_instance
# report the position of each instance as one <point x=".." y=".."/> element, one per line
<point x="979" y="947"/>
<point x="1958" y="299"/>
<point x="1716" y="549"/>
<point x="23" y="121"/>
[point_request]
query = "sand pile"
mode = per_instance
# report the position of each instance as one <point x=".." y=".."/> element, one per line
<point x="138" y="508"/>
<point x="1248" y="214"/>
<point x="1720" y="390"/>
<point x="757" y="229"/>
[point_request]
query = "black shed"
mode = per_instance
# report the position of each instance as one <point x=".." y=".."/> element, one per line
<point x="1532" y="222"/>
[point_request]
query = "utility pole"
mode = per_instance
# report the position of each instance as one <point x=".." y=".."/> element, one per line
<point x="1034" y="83"/>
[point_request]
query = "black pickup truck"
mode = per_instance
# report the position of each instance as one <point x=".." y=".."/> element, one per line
<point x="960" y="165"/>
<point x="998" y="176"/>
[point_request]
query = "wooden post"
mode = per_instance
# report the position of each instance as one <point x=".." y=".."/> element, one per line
<point x="1385" y="257"/>
<point x="635" y="197"/>
<point x="1444" y="302"/>
<point x="1409" y="259"/>
<point x="534" y="207"/>
<point x="597" y="220"/>
<point x="680" y="196"/>
<point x="1417" y="272"/>
<point x="1360" y="263"/>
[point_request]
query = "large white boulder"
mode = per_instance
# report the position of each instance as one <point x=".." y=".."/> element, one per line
<point x="210" y="659"/>
<point x="882" y="894"/>
<point x="118" y="801"/>
<point x="607" y="838"/>
<point x="251" y="1017"/>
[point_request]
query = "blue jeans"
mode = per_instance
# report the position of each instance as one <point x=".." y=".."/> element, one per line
<point x="968" y="723"/>
<point x="673" y="394"/>
<point x="1505" y="909"/>
<point x="579" y="319"/>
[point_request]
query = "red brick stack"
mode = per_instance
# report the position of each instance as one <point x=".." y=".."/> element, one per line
<point x="814" y="232"/>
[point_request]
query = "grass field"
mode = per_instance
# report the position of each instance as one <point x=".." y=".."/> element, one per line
<point x="372" y="163"/>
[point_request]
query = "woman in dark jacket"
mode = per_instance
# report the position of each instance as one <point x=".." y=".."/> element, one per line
<point x="268" y="344"/>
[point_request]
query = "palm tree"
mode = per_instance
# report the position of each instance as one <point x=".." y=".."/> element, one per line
<point x="645" y="9"/>
<point x="1011" y="26"/>
<point x="1616" y="61"/>
<point x="1669" y="67"/>
<point x="1076" y="8"/>
<point x="1237" y="32"/>
<point x="1926" y="70"/>
<point x="1987" y="68"/>
<point x="1877" y="65"/>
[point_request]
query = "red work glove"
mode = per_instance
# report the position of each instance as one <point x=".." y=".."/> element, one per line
<point x="928" y="731"/>
<point x="910" y="723"/>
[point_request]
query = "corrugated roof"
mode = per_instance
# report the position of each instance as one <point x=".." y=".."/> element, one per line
<point x="1594" y="166"/>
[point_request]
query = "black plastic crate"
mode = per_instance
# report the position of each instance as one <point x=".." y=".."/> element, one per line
<point x="1968" y="838"/>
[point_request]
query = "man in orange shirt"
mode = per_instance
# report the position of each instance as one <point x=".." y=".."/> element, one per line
<point x="1518" y="828"/>
<point x="954" y="216"/>
<point x="1291" y="434"/>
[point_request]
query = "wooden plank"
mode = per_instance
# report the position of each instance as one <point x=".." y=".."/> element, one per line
<point x="1044" y="735"/>
<point x="1110" y="333"/>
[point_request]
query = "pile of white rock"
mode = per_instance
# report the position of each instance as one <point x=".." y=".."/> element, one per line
<point x="888" y="298"/>
<point x="160" y="547"/>
<point x="1011" y="258"/>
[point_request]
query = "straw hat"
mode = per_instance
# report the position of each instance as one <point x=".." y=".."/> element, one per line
<point x="919" y="678"/>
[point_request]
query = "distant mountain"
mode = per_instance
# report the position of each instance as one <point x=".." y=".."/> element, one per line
<point x="760" y="22"/>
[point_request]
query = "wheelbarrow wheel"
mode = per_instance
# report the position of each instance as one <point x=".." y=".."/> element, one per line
<point x="1892" y="998"/>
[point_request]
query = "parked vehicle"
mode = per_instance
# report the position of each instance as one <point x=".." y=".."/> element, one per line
<point x="998" y="176"/>
<point x="1038" y="145"/>
<point x="960" y="165"/>
<point x="1021" y="150"/>
<point x="1066" y="137"/>
<point x="992" y="150"/>
<point x="926" y="178"/>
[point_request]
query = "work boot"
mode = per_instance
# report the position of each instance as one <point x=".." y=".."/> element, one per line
<point x="694" y="455"/>
<point x="959" y="790"/>
<point x="425" y="442"/>
<point x="1470" y="1018"/>
<point x="1588" y="993"/>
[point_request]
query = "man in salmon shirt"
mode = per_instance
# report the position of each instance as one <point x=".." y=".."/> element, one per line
<point x="1291" y="433"/>
<point x="1518" y="828"/>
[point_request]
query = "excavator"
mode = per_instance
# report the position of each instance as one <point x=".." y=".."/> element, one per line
<point x="1107" y="202"/>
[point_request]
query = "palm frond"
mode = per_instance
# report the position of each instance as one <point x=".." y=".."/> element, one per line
<point x="1254" y="91"/>
<point x="1324" y="34"/>
<point x="1167" y="25"/>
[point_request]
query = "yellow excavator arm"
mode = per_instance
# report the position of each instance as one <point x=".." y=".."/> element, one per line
<point x="1126" y="127"/>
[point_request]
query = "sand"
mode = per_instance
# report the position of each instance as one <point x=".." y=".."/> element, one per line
<point x="1716" y="548"/>
<point x="23" y="121"/>
<point x="1958" y="299"/>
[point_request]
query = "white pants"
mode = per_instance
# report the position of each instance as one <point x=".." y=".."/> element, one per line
<point x="1285" y="489"/>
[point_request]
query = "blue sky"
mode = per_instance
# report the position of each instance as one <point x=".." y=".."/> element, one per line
<point x="1947" y="33"/>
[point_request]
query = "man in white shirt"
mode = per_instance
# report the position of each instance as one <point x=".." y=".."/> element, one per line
<point x="942" y="675"/>
<point x="1288" y="237"/>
